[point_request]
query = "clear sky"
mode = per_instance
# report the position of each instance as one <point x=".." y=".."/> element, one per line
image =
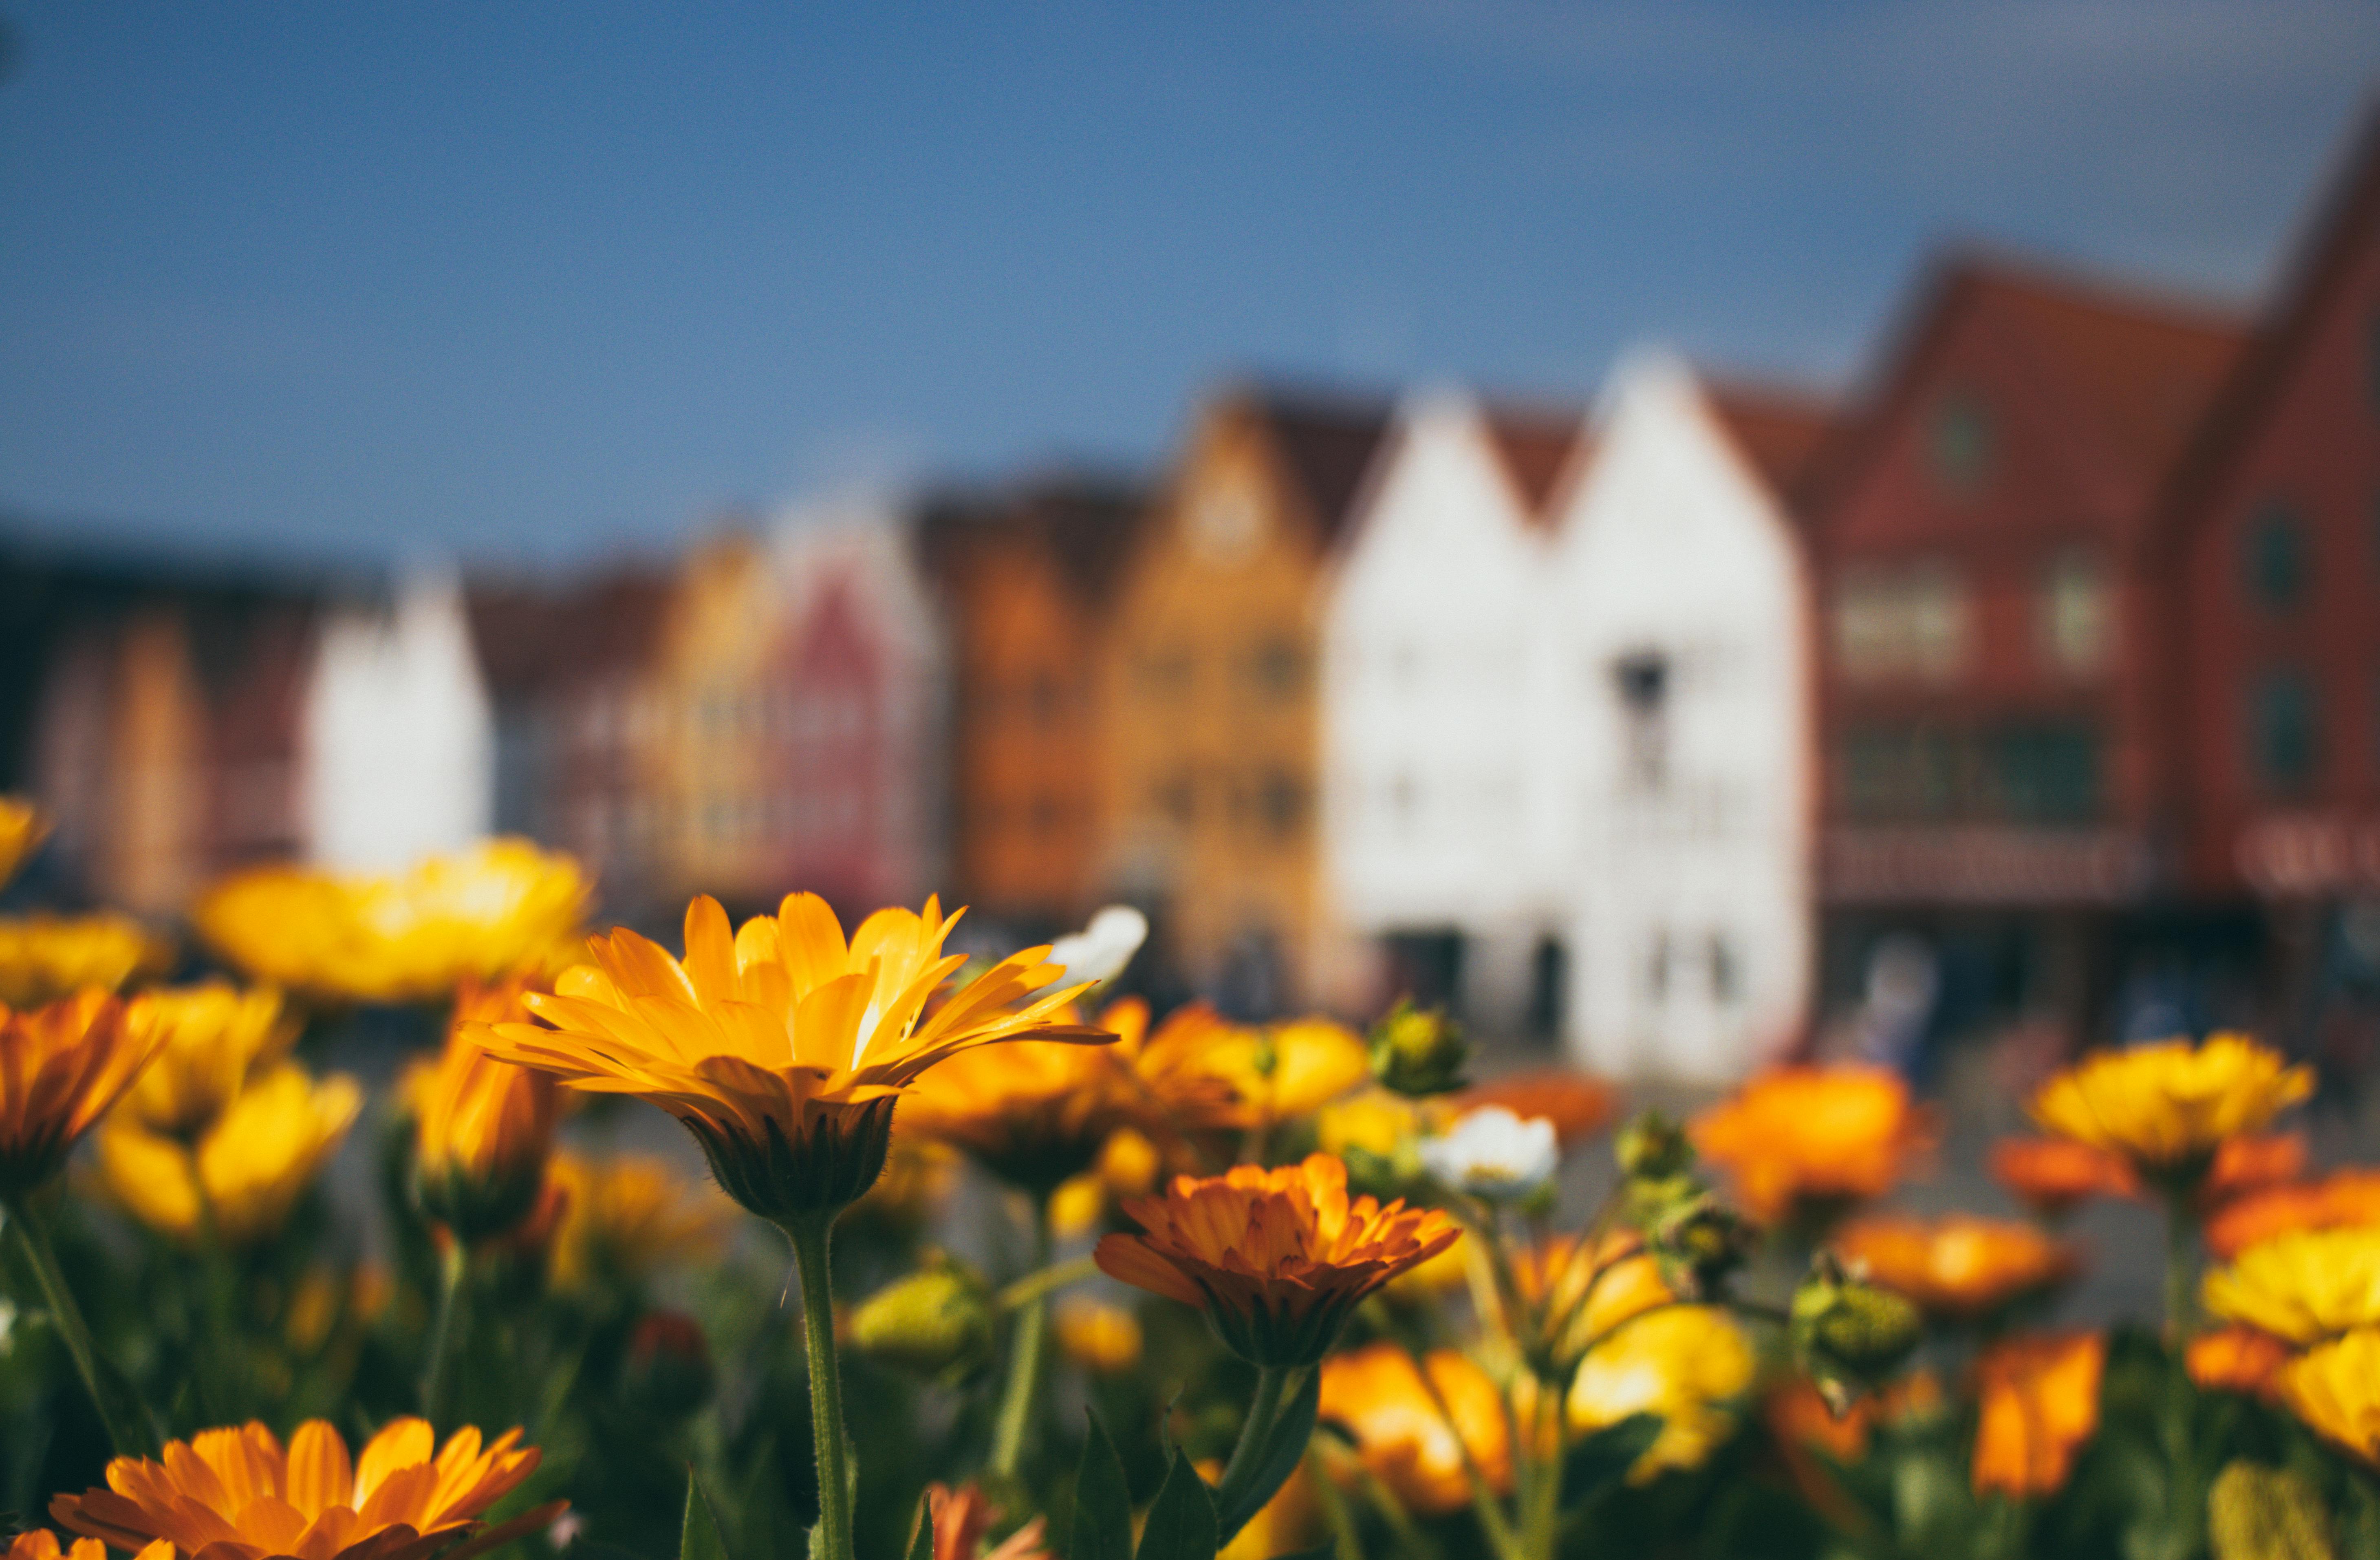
<point x="540" y="280"/>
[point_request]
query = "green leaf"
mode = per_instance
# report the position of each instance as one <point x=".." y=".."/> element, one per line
<point x="1603" y="1457"/>
<point x="1284" y="1445"/>
<point x="700" y="1539"/>
<point x="1102" y="1503"/>
<point x="1182" y="1519"/>
<point x="921" y="1543"/>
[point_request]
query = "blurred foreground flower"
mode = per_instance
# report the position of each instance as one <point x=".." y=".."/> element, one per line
<point x="2249" y="1164"/>
<point x="43" y="957"/>
<point x="1959" y="1268"/>
<point x="2336" y="1389"/>
<point x="1276" y="1259"/>
<point x="1403" y="1437"/>
<point x="626" y="1217"/>
<point x="1575" y="1103"/>
<point x="960" y="1519"/>
<point x="2343" y="1198"/>
<point x="246" y="1172"/>
<point x="235" y="1492"/>
<point x="483" y="1129"/>
<point x="1099" y="953"/>
<point x="210" y="1037"/>
<point x="1418" y="1051"/>
<point x="2168" y="1107"/>
<point x="1682" y="1363"/>
<point x="500" y="906"/>
<point x="2235" y="1360"/>
<point x="1274" y="1073"/>
<point x="1103" y="1340"/>
<point x="936" y="1322"/>
<point x="1799" y="1142"/>
<point x="1584" y="1295"/>
<point x="61" y="1067"/>
<point x="22" y="830"/>
<point x="2040" y="1403"/>
<point x="1494" y="1155"/>
<point x="2050" y="1175"/>
<point x="40" y="1543"/>
<point x="2304" y="1287"/>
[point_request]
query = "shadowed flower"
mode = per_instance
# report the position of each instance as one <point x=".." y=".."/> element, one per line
<point x="1274" y="1073"/>
<point x="1276" y="1259"/>
<point x="1958" y="1268"/>
<point x="499" y="907"/>
<point x="625" y="1217"/>
<point x="1376" y="1122"/>
<point x="2343" y="1198"/>
<point x="1575" y="1103"/>
<point x="1799" y="1140"/>
<point x="2040" y="1402"/>
<point x="61" y="1067"/>
<point x="960" y="1519"/>
<point x="2304" y="1287"/>
<point x="40" y="1543"/>
<point x="1101" y="1339"/>
<point x="1583" y="1298"/>
<point x="253" y="1163"/>
<point x="482" y="1129"/>
<point x="918" y="1173"/>
<point x="2236" y="1360"/>
<point x="21" y="832"/>
<point x="1403" y="1433"/>
<point x="2050" y="1175"/>
<point x="1798" y="1414"/>
<point x="780" y="1047"/>
<point x="1494" y="1154"/>
<point x="43" y="957"/>
<point x="236" y="1494"/>
<point x="2336" y="1389"/>
<point x="1681" y="1362"/>
<point x="210" y="1038"/>
<point x="2168" y="1107"/>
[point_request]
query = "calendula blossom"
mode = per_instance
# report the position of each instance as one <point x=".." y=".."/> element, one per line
<point x="1960" y="1267"/>
<point x="2050" y="1175"/>
<point x="1798" y="1137"/>
<point x="210" y="1037"/>
<point x="2236" y="1360"/>
<point x="22" y="830"/>
<point x="1402" y="1434"/>
<point x="2343" y="1198"/>
<point x="253" y="1163"/>
<point x="1276" y="1259"/>
<point x="498" y="907"/>
<point x="2246" y="1165"/>
<point x="43" y="957"/>
<point x="2168" y="1107"/>
<point x="780" y="1048"/>
<point x="1576" y="1104"/>
<point x="482" y="1129"/>
<point x="2304" y="1287"/>
<point x="2040" y="1403"/>
<point x="627" y="1217"/>
<point x="236" y="1494"/>
<point x="1103" y="1340"/>
<point x="1685" y="1363"/>
<point x="40" y="1543"/>
<point x="1494" y="1155"/>
<point x="1584" y="1296"/>
<point x="1273" y="1073"/>
<point x="959" y="1519"/>
<point x="2336" y="1389"/>
<point x="62" y="1067"/>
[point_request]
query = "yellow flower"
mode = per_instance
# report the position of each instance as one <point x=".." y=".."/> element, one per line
<point x="1584" y="1296"/>
<point x="1682" y="1363"/>
<point x="210" y="1037"/>
<point x="1796" y="1140"/>
<point x="483" y="1129"/>
<point x="779" y="1047"/>
<point x="499" y="907"/>
<point x="2040" y="1402"/>
<point x="255" y="1161"/>
<point x="61" y="1067"/>
<point x="2305" y="1286"/>
<point x="1401" y="1432"/>
<point x="1277" y="1259"/>
<point x="625" y="1217"/>
<point x="1273" y="1074"/>
<point x="1101" y="1339"/>
<point x="2168" y="1107"/>
<point x="237" y="1489"/>
<point x="1960" y="1267"/>
<point x="43" y="957"/>
<point x="2345" y="1197"/>
<point x="21" y="831"/>
<point x="2336" y="1389"/>
<point x="1375" y="1121"/>
<point x="1290" y="1523"/>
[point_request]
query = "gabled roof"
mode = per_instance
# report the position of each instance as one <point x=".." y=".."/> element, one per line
<point x="1326" y="442"/>
<point x="1537" y="446"/>
<point x="534" y="640"/>
<point x="1778" y="432"/>
<point x="1087" y="522"/>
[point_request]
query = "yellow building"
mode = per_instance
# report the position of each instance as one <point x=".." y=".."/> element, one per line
<point x="1209" y="700"/>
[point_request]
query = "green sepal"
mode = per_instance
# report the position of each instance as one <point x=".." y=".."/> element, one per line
<point x="1102" y="1502"/>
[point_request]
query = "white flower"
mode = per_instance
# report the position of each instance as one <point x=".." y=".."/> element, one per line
<point x="1100" y="950"/>
<point x="1494" y="1154"/>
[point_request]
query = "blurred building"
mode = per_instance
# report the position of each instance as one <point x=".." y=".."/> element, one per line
<point x="1025" y="580"/>
<point x="1999" y="712"/>
<point x="1211" y="741"/>
<point x="1674" y="784"/>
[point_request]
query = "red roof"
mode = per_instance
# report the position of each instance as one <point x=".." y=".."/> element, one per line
<point x="1537" y="446"/>
<point x="1326" y="442"/>
<point x="1778" y="432"/>
<point x="534" y="640"/>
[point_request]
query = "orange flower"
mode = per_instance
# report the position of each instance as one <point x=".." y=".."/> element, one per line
<point x="1795" y="1136"/>
<point x="483" y="1129"/>
<point x="960" y="1518"/>
<point x="61" y="1067"/>
<point x="2040" y="1403"/>
<point x="2345" y="1197"/>
<point x="1576" y="1104"/>
<point x="234" y="1495"/>
<point x="40" y="1543"/>
<point x="1583" y="1300"/>
<point x="2051" y="1174"/>
<point x="779" y="1047"/>
<point x="1276" y="1257"/>
<point x="2236" y="1360"/>
<point x="2253" y="1165"/>
<point x="1402" y="1435"/>
<point x="1958" y="1267"/>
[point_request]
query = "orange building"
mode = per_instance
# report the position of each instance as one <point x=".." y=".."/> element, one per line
<point x="1025" y="580"/>
<point x="1211" y="716"/>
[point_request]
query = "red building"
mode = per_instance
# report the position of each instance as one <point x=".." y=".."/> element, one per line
<point x="1997" y="722"/>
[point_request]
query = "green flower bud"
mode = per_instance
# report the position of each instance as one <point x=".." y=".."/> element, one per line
<point x="1653" y="1148"/>
<point x="1418" y="1051"/>
<point x="2255" y="1513"/>
<point x="935" y="1322"/>
<point x="1698" y="1242"/>
<point x="1848" y="1334"/>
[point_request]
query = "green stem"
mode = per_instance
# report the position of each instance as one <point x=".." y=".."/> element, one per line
<point x="1345" y="1542"/>
<point x="2180" y="1268"/>
<point x="1023" y="1391"/>
<point x="811" y="1238"/>
<point x="1272" y="1381"/>
<point x="125" y="1432"/>
<point x="1483" y="1497"/>
<point x="224" y="1353"/>
<point x="1033" y="1285"/>
<point x="1541" y="1520"/>
<point x="447" y="1331"/>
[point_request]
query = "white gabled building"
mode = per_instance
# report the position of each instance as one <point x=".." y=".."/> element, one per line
<point x="1675" y="719"/>
<point x="1429" y="610"/>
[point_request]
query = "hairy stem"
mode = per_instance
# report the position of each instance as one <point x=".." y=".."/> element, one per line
<point x="125" y="1432"/>
<point x="811" y="1238"/>
<point x="1021" y="1393"/>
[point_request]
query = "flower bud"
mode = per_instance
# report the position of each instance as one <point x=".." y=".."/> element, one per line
<point x="1653" y="1148"/>
<point x="2255" y="1513"/>
<point x="1418" y="1051"/>
<point x="935" y="1322"/>
<point x="1848" y="1335"/>
<point x="1698" y="1242"/>
<point x="667" y="1372"/>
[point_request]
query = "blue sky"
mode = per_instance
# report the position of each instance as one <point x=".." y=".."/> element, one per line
<point x="536" y="282"/>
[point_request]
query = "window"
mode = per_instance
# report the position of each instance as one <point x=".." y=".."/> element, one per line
<point x="1282" y="802"/>
<point x="2284" y="731"/>
<point x="1960" y="445"/>
<point x="1908" y="621"/>
<point x="1042" y="696"/>
<point x="1172" y="800"/>
<point x="1643" y="678"/>
<point x="2073" y="620"/>
<point x="1657" y="968"/>
<point x="1166" y="673"/>
<point x="1277" y="667"/>
<point x="1726" y="974"/>
<point x="2275" y="564"/>
<point x="1901" y="771"/>
<point x="2045" y="773"/>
